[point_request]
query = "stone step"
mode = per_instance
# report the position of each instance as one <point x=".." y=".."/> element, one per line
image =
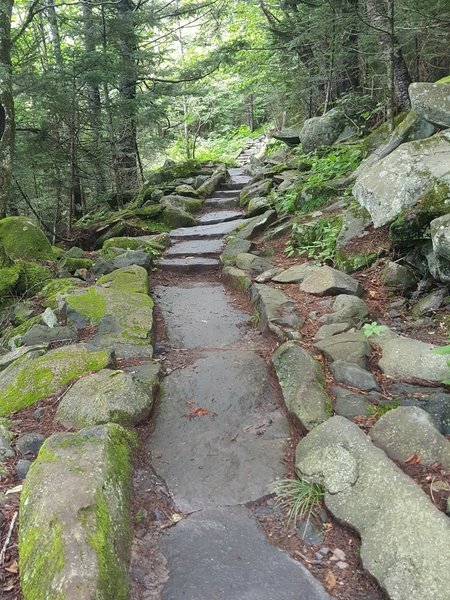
<point x="224" y="203"/>
<point x="236" y="185"/>
<point x="226" y="194"/>
<point x="219" y="216"/>
<point x="205" y="232"/>
<point x="188" y="265"/>
<point x="205" y="248"/>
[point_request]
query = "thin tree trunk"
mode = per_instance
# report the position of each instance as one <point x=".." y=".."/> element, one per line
<point x="54" y="33"/>
<point x="7" y="120"/>
<point x="127" y="167"/>
<point x="380" y="14"/>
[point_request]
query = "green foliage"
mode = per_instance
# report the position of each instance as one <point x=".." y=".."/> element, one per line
<point x="298" y="496"/>
<point x="378" y="410"/>
<point x="373" y="328"/>
<point x="315" y="240"/>
<point x="311" y="191"/>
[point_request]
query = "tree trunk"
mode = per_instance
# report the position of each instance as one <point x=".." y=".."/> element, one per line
<point x="7" y="121"/>
<point x="381" y="18"/>
<point x="352" y="73"/>
<point x="54" y="33"/>
<point x="127" y="167"/>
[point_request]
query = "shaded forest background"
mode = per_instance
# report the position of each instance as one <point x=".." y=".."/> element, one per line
<point x="95" y="93"/>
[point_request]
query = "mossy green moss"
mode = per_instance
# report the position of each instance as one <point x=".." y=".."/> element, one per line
<point x="9" y="276"/>
<point x="126" y="243"/>
<point x="444" y="79"/>
<point x="132" y="279"/>
<point x="73" y="264"/>
<point x="23" y="385"/>
<point x="21" y="238"/>
<point x="90" y="304"/>
<point x="33" y="277"/>
<point x="412" y="224"/>
<point x="57" y="288"/>
<point x="21" y="329"/>
<point x="41" y="553"/>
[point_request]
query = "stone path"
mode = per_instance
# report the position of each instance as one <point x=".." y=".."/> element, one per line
<point x="216" y="462"/>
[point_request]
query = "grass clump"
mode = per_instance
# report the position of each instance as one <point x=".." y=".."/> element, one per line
<point x="298" y="496"/>
<point x="315" y="240"/>
<point x="381" y="409"/>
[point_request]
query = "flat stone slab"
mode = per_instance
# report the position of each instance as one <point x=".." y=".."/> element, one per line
<point x="222" y="203"/>
<point x="200" y="316"/>
<point x="226" y="194"/>
<point x="232" y="453"/>
<point x="222" y="554"/>
<point x="186" y="265"/>
<point x="205" y="232"/>
<point x="206" y="248"/>
<point x="219" y="216"/>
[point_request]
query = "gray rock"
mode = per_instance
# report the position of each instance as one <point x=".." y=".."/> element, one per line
<point x="438" y="406"/>
<point x="330" y="282"/>
<point x="30" y="443"/>
<point x="440" y="236"/>
<point x="254" y="190"/>
<point x="399" y="277"/>
<point x="22" y="467"/>
<point x="322" y="131"/>
<point x="107" y="397"/>
<point x="349" y="404"/>
<point x="256" y="225"/>
<point x="41" y="334"/>
<point x="276" y="312"/>
<point x="350" y="347"/>
<point x="296" y="274"/>
<point x="327" y="331"/>
<point x="268" y="275"/>
<point x="236" y="278"/>
<point x="233" y="248"/>
<point x="429" y="303"/>
<point x="410" y="430"/>
<point x="352" y="375"/>
<point x="6" y="438"/>
<point x="241" y="562"/>
<point x="302" y="383"/>
<point x="347" y="309"/>
<point x="354" y="221"/>
<point x="101" y="267"/>
<point x="252" y="263"/>
<point x="258" y="205"/>
<point x="87" y="475"/>
<point x="310" y="534"/>
<point x="407" y="358"/>
<point x="401" y="179"/>
<point x="133" y="257"/>
<point x="431" y="101"/>
<point x="405" y="539"/>
<point x="74" y="252"/>
<point x="24" y="351"/>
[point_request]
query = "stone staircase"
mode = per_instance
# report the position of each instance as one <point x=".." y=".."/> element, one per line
<point x="197" y="249"/>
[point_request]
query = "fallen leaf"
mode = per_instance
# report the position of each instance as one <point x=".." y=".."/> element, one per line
<point x="414" y="459"/>
<point x="9" y="585"/>
<point x="176" y="518"/>
<point x="440" y="486"/>
<point x="330" y="581"/>
<point x="14" y="490"/>
<point x="13" y="567"/>
<point x="198" y="412"/>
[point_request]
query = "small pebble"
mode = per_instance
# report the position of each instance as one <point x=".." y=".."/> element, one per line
<point x="338" y="554"/>
<point x="342" y="565"/>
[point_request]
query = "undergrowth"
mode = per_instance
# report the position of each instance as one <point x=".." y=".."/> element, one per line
<point x="298" y="496"/>
<point x="315" y="240"/>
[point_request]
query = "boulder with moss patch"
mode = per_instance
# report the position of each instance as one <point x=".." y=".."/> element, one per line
<point x="108" y="397"/>
<point x="401" y="180"/>
<point x="75" y="529"/>
<point x="322" y="131"/>
<point x="54" y="290"/>
<point x="25" y="383"/>
<point x="20" y="238"/>
<point x="133" y="279"/>
<point x="190" y="205"/>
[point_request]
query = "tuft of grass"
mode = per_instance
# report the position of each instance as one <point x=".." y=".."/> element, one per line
<point x="379" y="410"/>
<point x="298" y="496"/>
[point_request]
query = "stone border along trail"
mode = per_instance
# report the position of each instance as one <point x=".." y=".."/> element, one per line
<point x="217" y="442"/>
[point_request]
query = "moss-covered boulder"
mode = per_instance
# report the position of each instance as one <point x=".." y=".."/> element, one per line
<point x="190" y="205"/>
<point x="21" y="238"/>
<point x="322" y="131"/>
<point x="33" y="277"/>
<point x="53" y="291"/>
<point x="108" y="397"/>
<point x="400" y="180"/>
<point x="124" y="319"/>
<point x="132" y="279"/>
<point x="253" y="190"/>
<point x="177" y="217"/>
<point x="74" y="525"/>
<point x="9" y="277"/>
<point x="23" y="384"/>
<point x="147" y="243"/>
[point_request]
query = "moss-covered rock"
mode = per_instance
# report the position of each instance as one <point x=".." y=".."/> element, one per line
<point x="176" y="217"/>
<point x="16" y="332"/>
<point x="73" y="264"/>
<point x="147" y="243"/>
<point x="74" y="526"/>
<point x="22" y="385"/>
<point x="190" y="205"/>
<point x="55" y="289"/>
<point x="9" y="276"/>
<point x="132" y="279"/>
<point x="33" y="277"/>
<point x="21" y="238"/>
<point x="108" y="397"/>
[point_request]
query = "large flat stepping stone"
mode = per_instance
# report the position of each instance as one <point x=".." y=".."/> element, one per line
<point x="200" y="316"/>
<point x="206" y="248"/>
<point x="188" y="265"/>
<point x="222" y="554"/>
<point x="226" y="194"/>
<point x="205" y="232"/>
<point x="219" y="216"/>
<point x="219" y="437"/>
<point x="222" y="203"/>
